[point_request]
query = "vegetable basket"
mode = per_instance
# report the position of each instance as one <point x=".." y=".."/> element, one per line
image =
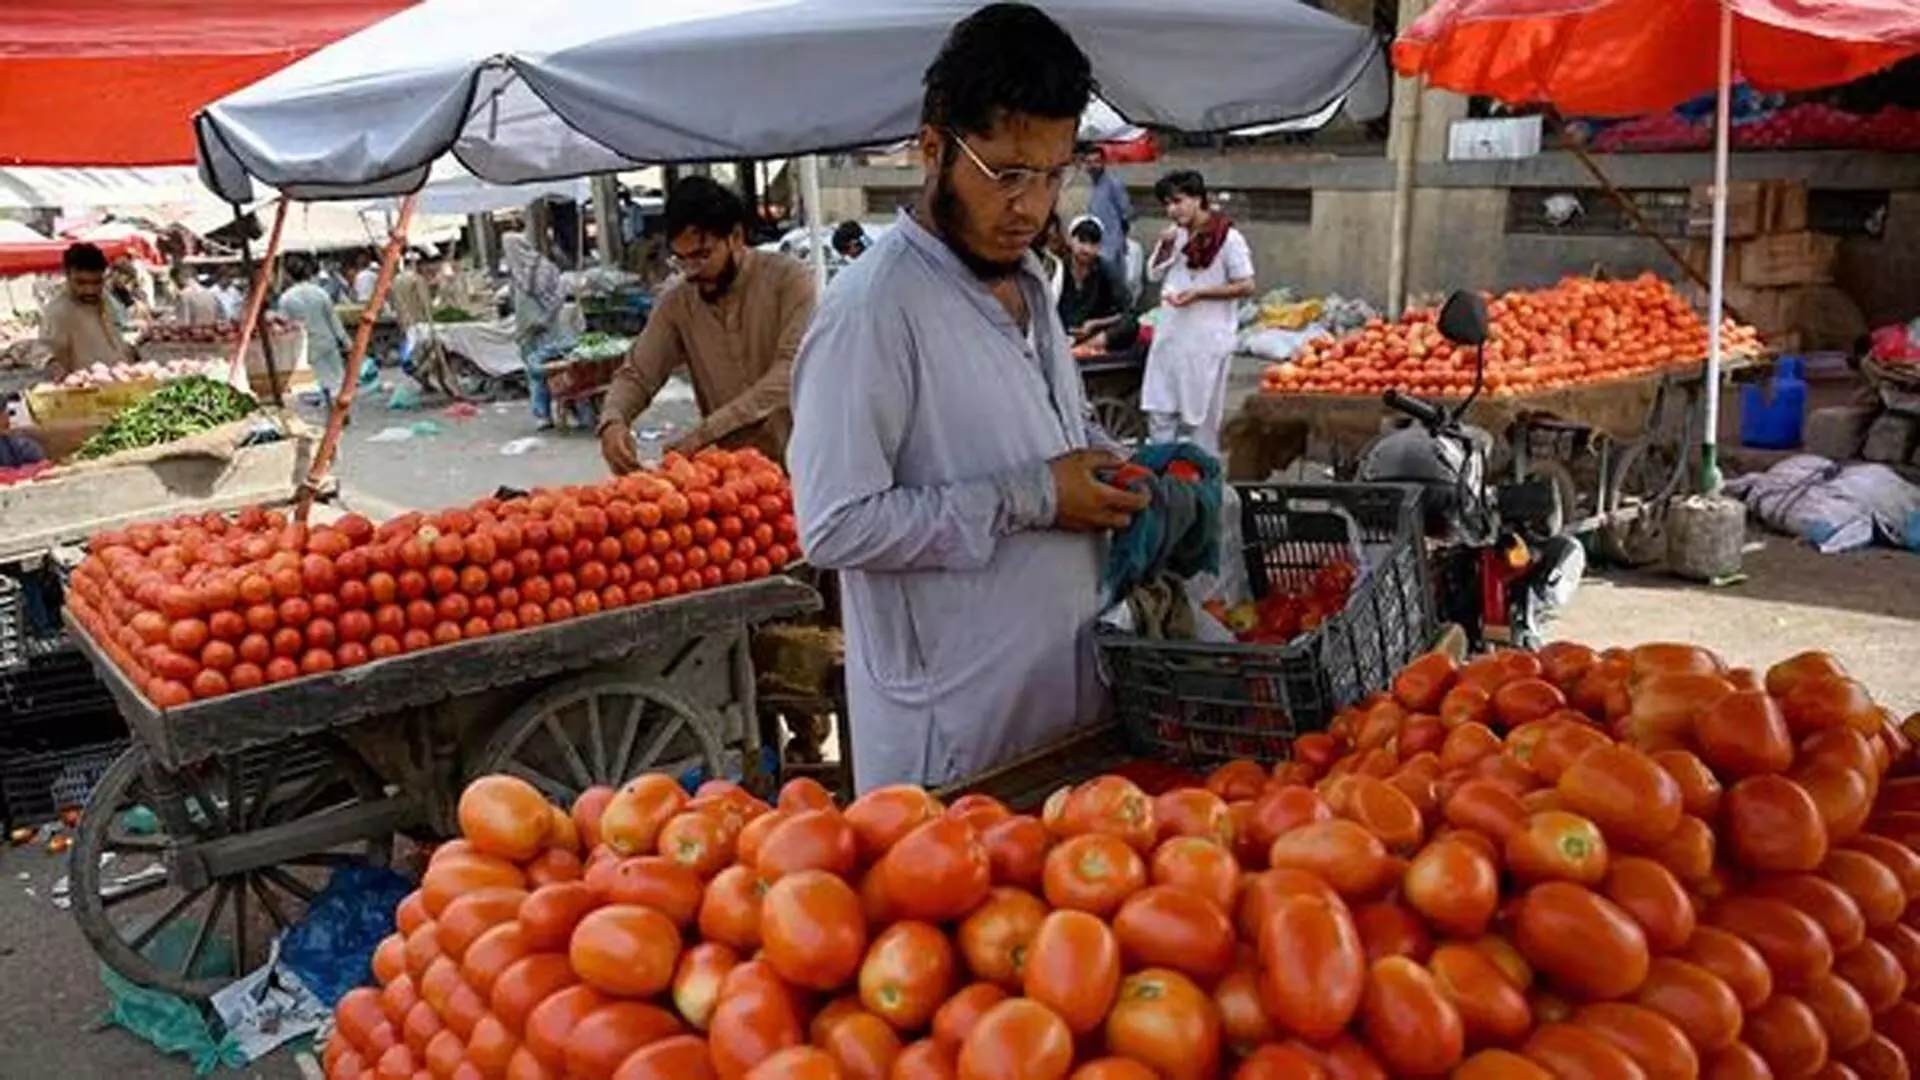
<point x="1196" y="704"/>
<point x="61" y="404"/>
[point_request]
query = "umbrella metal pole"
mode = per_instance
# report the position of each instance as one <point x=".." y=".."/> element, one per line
<point x="362" y="340"/>
<point x="816" y="232"/>
<point x="257" y="297"/>
<point x="1717" y="271"/>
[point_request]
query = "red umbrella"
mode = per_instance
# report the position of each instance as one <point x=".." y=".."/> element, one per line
<point x="1626" y="57"/>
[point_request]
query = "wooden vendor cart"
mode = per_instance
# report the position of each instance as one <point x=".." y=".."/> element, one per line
<point x="226" y="815"/>
<point x="1616" y="452"/>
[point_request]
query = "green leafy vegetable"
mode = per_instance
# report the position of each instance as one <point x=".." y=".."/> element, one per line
<point x="181" y="408"/>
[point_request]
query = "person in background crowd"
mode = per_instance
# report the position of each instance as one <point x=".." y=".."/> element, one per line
<point x="130" y="303"/>
<point x="1093" y="302"/>
<point x="233" y="299"/>
<point x="411" y="296"/>
<point x="942" y="458"/>
<point x="329" y="279"/>
<point x="367" y="277"/>
<point x="16" y="448"/>
<point x="327" y="345"/>
<point x="1050" y="247"/>
<point x="77" y="323"/>
<point x="537" y="299"/>
<point x="734" y="321"/>
<point x="1110" y="205"/>
<point x="1206" y="269"/>
<point x="850" y="240"/>
<point x="196" y="305"/>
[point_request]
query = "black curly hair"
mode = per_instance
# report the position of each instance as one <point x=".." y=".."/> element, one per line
<point x="1005" y="59"/>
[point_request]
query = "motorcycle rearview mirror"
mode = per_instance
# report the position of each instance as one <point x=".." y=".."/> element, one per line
<point x="1463" y="319"/>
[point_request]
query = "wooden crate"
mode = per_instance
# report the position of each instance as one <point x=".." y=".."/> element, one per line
<point x="1802" y="258"/>
<point x="1822" y="316"/>
<point x="55" y="404"/>
<point x="1754" y="208"/>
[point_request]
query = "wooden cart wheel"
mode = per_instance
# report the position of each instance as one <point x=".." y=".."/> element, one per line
<point x="603" y="728"/>
<point x="127" y="890"/>
<point x="1121" y="419"/>
<point x="1642" y="481"/>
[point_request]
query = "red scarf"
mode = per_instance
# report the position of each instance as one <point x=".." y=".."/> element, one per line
<point x="1204" y="243"/>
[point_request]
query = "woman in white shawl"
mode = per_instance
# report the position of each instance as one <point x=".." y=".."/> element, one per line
<point x="537" y="300"/>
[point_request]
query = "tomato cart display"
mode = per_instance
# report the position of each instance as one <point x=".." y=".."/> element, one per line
<point x="248" y="791"/>
<point x="1595" y="387"/>
<point x="298" y="693"/>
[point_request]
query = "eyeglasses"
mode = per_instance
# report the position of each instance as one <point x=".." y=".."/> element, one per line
<point x="1017" y="180"/>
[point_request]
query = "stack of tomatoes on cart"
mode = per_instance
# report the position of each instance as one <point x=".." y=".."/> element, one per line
<point x="198" y="607"/>
<point x="1581" y="332"/>
<point x="1635" y="864"/>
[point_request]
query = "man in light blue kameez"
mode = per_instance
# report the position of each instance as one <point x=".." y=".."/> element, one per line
<point x="941" y="455"/>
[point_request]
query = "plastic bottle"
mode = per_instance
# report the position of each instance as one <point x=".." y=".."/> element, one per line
<point x="1772" y="418"/>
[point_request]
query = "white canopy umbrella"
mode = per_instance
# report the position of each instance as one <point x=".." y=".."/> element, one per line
<point x="519" y="91"/>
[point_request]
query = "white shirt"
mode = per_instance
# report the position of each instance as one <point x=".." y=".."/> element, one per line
<point x="363" y="283"/>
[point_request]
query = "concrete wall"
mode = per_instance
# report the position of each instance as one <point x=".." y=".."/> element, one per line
<point x="1459" y="235"/>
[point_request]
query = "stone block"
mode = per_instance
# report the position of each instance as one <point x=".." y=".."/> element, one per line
<point x="1891" y="438"/>
<point x="1837" y="433"/>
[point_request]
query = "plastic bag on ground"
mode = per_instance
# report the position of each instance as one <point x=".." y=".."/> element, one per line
<point x="331" y="950"/>
<point x="171" y="1023"/>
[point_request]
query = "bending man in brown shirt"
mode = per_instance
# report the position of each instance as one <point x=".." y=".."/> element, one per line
<point x="77" y="324"/>
<point x="735" y="322"/>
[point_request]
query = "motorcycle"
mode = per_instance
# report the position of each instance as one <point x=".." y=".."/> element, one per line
<point x="1500" y="572"/>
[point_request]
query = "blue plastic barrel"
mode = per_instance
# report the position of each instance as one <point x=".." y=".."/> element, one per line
<point x="1772" y="417"/>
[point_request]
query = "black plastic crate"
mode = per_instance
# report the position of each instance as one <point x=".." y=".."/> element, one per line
<point x="35" y="788"/>
<point x="13" y="623"/>
<point x="1194" y="704"/>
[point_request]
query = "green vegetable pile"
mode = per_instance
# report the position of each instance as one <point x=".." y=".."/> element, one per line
<point x="595" y="345"/>
<point x="181" y="408"/>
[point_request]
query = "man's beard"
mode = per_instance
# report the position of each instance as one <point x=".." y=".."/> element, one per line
<point x="950" y="217"/>
<point x="714" y="290"/>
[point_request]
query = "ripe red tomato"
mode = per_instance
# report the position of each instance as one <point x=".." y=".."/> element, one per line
<point x="1312" y="964"/>
<point x="1162" y="1020"/>
<point x="1624" y="792"/>
<point x="1455" y="886"/>
<point x="908" y="973"/>
<point x="1773" y="824"/>
<point x="813" y="930"/>
<point x="1581" y="939"/>
<point x="1073" y="967"/>
<point x="1492" y="1009"/>
<point x="1797" y="951"/>
<point x="995" y="939"/>
<point x="1093" y="872"/>
<point x="1408" y="1020"/>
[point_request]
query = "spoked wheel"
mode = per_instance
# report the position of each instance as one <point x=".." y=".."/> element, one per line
<point x="187" y="930"/>
<point x="1642" y="481"/>
<point x="603" y="729"/>
<point x="1121" y="419"/>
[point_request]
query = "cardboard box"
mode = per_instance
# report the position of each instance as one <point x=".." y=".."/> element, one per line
<point x="1817" y="316"/>
<point x="1754" y="208"/>
<point x="1801" y="258"/>
<point x="1506" y="138"/>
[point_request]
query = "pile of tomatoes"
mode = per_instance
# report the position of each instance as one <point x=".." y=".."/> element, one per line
<point x="1578" y="333"/>
<point x="1634" y="864"/>
<point x="198" y="607"/>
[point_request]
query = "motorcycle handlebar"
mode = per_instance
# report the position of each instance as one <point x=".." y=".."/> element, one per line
<point x="1425" y="412"/>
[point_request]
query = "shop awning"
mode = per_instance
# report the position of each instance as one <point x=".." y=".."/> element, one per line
<point x="106" y="82"/>
<point x="43" y="257"/>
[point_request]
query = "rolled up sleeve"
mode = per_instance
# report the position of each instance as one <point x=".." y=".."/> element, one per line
<point x="852" y="396"/>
